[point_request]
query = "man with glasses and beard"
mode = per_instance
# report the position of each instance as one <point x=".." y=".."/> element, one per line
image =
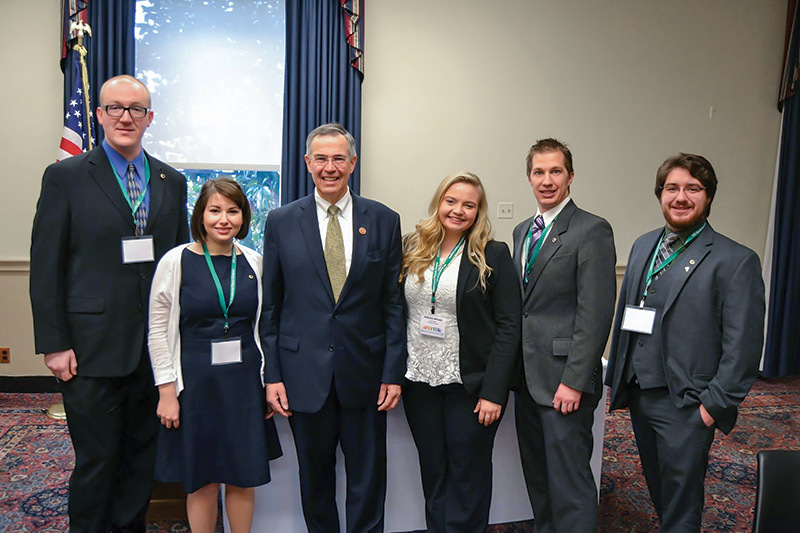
<point x="687" y="339"/>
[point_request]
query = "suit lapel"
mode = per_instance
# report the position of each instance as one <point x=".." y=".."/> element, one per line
<point x="157" y="179"/>
<point x="309" y="227"/>
<point x="519" y="242"/>
<point x="466" y="272"/>
<point x="101" y="172"/>
<point x="687" y="263"/>
<point x="361" y="219"/>
<point x="550" y="246"/>
<point x="639" y="264"/>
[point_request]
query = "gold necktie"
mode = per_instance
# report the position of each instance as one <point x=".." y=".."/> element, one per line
<point x="334" y="252"/>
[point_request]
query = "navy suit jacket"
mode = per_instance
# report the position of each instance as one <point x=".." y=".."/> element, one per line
<point x="712" y="325"/>
<point x="83" y="297"/>
<point x="309" y="340"/>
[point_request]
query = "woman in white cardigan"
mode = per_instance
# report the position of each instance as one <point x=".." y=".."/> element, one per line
<point x="205" y="307"/>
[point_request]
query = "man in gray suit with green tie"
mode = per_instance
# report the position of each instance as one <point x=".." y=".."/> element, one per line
<point x="566" y="260"/>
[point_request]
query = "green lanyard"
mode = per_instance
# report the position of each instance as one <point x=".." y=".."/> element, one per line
<point x="437" y="272"/>
<point x="652" y="271"/>
<point x="225" y="308"/>
<point x="141" y="194"/>
<point x="527" y="245"/>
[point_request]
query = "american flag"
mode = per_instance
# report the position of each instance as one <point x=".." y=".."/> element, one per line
<point x="74" y="140"/>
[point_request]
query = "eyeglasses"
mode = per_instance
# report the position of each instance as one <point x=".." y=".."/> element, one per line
<point x="337" y="160"/>
<point x="689" y="189"/>
<point x="116" y="111"/>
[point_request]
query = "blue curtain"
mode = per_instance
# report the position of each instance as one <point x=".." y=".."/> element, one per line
<point x="320" y="86"/>
<point x="111" y="50"/>
<point x="782" y="349"/>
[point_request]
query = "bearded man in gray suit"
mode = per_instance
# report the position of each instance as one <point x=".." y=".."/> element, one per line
<point x="566" y="259"/>
<point x="687" y="339"/>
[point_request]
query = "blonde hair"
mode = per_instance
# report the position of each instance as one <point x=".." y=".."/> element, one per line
<point x="420" y="248"/>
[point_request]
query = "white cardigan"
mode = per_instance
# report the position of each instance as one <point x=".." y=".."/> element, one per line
<point x="164" y="337"/>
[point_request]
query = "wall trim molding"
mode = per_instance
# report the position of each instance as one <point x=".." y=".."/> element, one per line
<point x="15" y="265"/>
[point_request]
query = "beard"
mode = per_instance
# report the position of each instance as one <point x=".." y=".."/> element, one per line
<point x="693" y="218"/>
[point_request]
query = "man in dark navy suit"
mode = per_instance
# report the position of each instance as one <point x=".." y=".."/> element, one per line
<point x="687" y="339"/>
<point x="103" y="220"/>
<point x="334" y="333"/>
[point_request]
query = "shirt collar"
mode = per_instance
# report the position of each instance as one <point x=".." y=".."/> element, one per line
<point x="342" y="204"/>
<point x="685" y="233"/>
<point x="550" y="215"/>
<point x="119" y="162"/>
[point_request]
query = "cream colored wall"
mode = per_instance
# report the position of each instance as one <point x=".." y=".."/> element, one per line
<point x="469" y="84"/>
<point x="31" y="93"/>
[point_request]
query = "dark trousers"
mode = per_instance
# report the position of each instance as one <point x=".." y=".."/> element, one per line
<point x="361" y="433"/>
<point x="455" y="456"/>
<point x="556" y="450"/>
<point x="673" y="446"/>
<point x="113" y="426"/>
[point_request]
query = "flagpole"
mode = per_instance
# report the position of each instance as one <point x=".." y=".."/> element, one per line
<point x="80" y="28"/>
<point x="57" y="410"/>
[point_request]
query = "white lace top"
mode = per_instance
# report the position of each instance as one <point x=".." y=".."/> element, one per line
<point x="432" y="360"/>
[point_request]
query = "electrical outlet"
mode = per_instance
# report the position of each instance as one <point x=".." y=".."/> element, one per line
<point x="505" y="210"/>
<point x="5" y="355"/>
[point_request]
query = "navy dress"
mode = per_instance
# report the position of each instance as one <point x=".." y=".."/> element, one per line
<point x="223" y="437"/>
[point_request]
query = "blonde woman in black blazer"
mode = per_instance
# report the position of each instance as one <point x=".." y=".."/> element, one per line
<point x="463" y="323"/>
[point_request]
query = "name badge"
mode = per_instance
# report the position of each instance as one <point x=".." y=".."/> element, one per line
<point x="138" y="250"/>
<point x="226" y="352"/>
<point x="432" y="326"/>
<point x="638" y="319"/>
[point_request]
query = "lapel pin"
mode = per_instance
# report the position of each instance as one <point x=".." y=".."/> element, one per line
<point x="554" y="239"/>
<point x="251" y="276"/>
<point x="687" y="269"/>
<point x="691" y="261"/>
<point x="163" y="176"/>
<point x="362" y="230"/>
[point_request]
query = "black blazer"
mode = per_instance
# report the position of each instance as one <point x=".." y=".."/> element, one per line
<point x="488" y="324"/>
<point x="82" y="296"/>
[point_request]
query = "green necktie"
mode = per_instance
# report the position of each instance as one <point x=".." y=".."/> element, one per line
<point x="334" y="252"/>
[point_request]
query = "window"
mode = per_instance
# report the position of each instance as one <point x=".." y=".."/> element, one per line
<point x="215" y="69"/>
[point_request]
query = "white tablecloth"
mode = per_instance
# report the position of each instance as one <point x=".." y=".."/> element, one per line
<point x="278" y="503"/>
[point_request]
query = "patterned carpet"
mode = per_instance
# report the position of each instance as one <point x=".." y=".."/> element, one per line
<point x="36" y="459"/>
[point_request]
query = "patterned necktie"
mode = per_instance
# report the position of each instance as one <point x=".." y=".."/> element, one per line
<point x="538" y="227"/>
<point x="140" y="216"/>
<point x="664" y="251"/>
<point x="334" y="252"/>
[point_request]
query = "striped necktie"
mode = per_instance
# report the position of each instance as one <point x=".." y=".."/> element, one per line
<point x="664" y="251"/>
<point x="140" y="216"/>
<point x="538" y="227"/>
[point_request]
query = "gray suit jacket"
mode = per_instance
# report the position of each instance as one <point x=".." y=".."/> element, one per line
<point x="712" y="326"/>
<point x="568" y="304"/>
